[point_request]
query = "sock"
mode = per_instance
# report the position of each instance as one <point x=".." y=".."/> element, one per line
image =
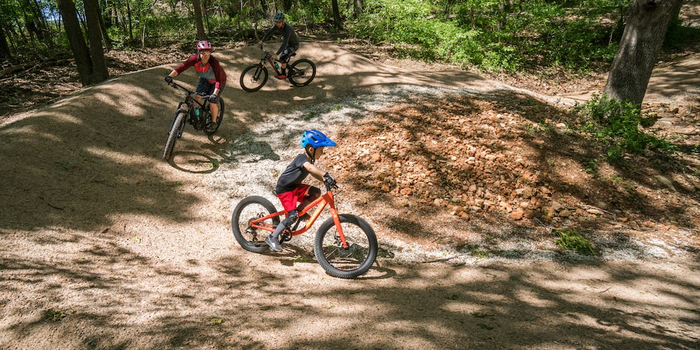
<point x="285" y="223"/>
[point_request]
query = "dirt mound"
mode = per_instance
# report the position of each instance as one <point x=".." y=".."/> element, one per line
<point x="104" y="245"/>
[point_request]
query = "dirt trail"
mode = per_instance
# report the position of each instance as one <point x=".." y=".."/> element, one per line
<point x="106" y="246"/>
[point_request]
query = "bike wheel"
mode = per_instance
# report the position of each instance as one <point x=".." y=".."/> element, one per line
<point x="248" y="209"/>
<point x="219" y="119"/>
<point x="253" y="78"/>
<point x="180" y="118"/>
<point x="346" y="262"/>
<point x="302" y="72"/>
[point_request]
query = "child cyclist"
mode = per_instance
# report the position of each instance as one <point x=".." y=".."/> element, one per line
<point x="212" y="78"/>
<point x="290" y="189"/>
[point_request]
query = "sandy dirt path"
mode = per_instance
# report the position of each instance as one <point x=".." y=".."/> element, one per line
<point x="106" y="246"/>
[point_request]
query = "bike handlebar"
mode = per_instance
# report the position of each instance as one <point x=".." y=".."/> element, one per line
<point x="188" y="91"/>
<point x="330" y="185"/>
<point x="267" y="53"/>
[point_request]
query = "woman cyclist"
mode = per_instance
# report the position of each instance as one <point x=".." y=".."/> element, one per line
<point x="212" y="78"/>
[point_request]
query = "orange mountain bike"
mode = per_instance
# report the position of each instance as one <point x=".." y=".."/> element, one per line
<point x="345" y="245"/>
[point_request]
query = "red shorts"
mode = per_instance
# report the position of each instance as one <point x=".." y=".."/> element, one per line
<point x="292" y="198"/>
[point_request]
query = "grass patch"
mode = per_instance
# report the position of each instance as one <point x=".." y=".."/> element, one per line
<point x="56" y="315"/>
<point x="572" y="240"/>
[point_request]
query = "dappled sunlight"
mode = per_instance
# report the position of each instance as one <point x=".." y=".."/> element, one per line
<point x="113" y="95"/>
<point x="30" y="131"/>
<point x="104" y="237"/>
<point x="533" y="298"/>
<point x="135" y="285"/>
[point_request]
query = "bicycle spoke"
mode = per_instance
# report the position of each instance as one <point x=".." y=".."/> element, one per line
<point x="249" y="209"/>
<point x="348" y="262"/>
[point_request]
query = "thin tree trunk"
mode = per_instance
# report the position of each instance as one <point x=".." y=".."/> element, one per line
<point x="4" y="48"/>
<point x="75" y="38"/>
<point x="205" y="14"/>
<point x="198" y="19"/>
<point x="358" y="7"/>
<point x="29" y="24"/>
<point x="43" y="25"/>
<point x="103" y="30"/>
<point x="336" y="15"/>
<point x="19" y="28"/>
<point x="131" y="26"/>
<point x="94" y="34"/>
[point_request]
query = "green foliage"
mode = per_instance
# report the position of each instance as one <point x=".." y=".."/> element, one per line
<point x="616" y="125"/>
<point x="310" y="12"/>
<point x="572" y="240"/>
<point x="56" y="315"/>
<point x="678" y="37"/>
<point x="591" y="166"/>
<point x="481" y="33"/>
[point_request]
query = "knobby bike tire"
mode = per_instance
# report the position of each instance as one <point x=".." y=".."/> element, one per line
<point x="357" y="258"/>
<point x="180" y="118"/>
<point x="219" y="119"/>
<point x="250" y="208"/>
<point x="304" y="72"/>
<point x="253" y="78"/>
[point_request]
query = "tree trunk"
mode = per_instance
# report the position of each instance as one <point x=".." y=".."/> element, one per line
<point x="29" y="24"/>
<point x="4" y="48"/>
<point x="198" y="19"/>
<point x="502" y="15"/>
<point x="75" y="38"/>
<point x="358" y="7"/>
<point x="286" y="5"/>
<point x="94" y="33"/>
<point x="642" y="38"/>
<point x="40" y="19"/>
<point x="336" y="15"/>
<point x="131" y="26"/>
<point x="103" y="30"/>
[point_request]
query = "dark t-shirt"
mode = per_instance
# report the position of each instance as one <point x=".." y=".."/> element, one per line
<point x="293" y="175"/>
<point x="290" y="37"/>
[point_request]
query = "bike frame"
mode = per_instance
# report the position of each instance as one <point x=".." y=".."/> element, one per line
<point x="268" y="58"/>
<point x="190" y="102"/>
<point x="323" y="201"/>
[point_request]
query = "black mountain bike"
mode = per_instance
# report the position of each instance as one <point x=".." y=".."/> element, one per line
<point x="300" y="72"/>
<point x="193" y="112"/>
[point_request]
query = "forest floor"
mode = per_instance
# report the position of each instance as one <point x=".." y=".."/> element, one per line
<point x="468" y="181"/>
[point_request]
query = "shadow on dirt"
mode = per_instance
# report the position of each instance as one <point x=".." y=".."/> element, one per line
<point x="487" y="156"/>
<point x="245" y="307"/>
<point x="86" y="199"/>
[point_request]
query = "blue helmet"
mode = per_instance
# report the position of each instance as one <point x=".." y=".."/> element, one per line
<point x="279" y="17"/>
<point x="316" y="139"/>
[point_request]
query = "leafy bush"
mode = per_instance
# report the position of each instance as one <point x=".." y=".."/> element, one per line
<point x="616" y="125"/>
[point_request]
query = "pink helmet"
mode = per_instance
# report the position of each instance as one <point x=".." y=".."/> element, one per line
<point x="203" y="45"/>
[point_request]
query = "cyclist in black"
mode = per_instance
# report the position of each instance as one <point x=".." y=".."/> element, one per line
<point x="289" y="45"/>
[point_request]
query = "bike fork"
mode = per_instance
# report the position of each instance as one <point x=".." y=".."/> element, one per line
<point x="343" y="243"/>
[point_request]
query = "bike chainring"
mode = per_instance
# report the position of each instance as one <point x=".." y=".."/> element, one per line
<point x="286" y="236"/>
